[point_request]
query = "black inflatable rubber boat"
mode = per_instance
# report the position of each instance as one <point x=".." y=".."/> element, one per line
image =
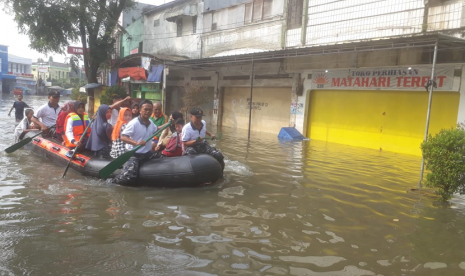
<point x="173" y="172"/>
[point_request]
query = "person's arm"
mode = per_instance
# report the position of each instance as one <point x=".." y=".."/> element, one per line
<point x="163" y="136"/>
<point x="36" y="121"/>
<point x="9" y="113"/>
<point x="129" y="141"/>
<point x="118" y="104"/>
<point x="213" y="136"/>
<point x="69" y="131"/>
<point x="186" y="139"/>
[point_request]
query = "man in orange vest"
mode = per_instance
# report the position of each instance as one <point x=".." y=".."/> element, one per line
<point x="75" y="124"/>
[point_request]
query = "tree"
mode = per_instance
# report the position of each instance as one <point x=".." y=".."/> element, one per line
<point x="444" y="155"/>
<point x="194" y="95"/>
<point x="112" y="91"/>
<point x="52" y="25"/>
<point x="40" y="60"/>
<point x="50" y="59"/>
<point x="77" y="95"/>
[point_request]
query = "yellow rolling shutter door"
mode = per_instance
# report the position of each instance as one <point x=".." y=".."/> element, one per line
<point x="387" y="120"/>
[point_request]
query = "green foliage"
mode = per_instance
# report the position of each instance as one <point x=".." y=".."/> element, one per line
<point x="76" y="82"/>
<point x="52" y="25"/>
<point x="40" y="60"/>
<point x="445" y="157"/>
<point x="65" y="83"/>
<point x="50" y="59"/>
<point x="112" y="91"/>
<point x="78" y="96"/>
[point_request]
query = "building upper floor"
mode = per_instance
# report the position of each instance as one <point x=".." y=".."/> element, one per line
<point x="19" y="65"/>
<point x="210" y="28"/>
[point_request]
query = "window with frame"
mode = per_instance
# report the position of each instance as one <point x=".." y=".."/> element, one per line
<point x="294" y="14"/>
<point x="179" y="27"/>
<point x="258" y="10"/>
<point x="156" y="22"/>
<point x="194" y="24"/>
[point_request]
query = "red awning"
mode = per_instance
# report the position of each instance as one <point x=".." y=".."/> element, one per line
<point x="133" y="72"/>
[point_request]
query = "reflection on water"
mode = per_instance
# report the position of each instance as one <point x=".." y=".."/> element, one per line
<point x="283" y="208"/>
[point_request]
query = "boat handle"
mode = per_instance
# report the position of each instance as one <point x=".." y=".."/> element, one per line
<point x="36" y="140"/>
<point x="56" y="148"/>
<point x="80" y="159"/>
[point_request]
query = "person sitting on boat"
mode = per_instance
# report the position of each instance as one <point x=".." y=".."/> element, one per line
<point x="193" y="135"/>
<point x="67" y="108"/>
<point x="100" y="138"/>
<point x="167" y="132"/>
<point x="135" y="134"/>
<point x="19" y="107"/>
<point x="75" y="124"/>
<point x="48" y="112"/>
<point x="118" y="146"/>
<point x="158" y="118"/>
<point x="135" y="110"/>
<point x="24" y="126"/>
<point x="118" y="102"/>
<point x="174" y="146"/>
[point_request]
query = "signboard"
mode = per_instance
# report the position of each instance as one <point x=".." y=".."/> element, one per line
<point x="76" y="50"/>
<point x="43" y="69"/>
<point x="134" y="51"/>
<point x="393" y="78"/>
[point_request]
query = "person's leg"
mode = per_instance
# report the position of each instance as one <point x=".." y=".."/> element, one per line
<point x="190" y="151"/>
<point x="129" y="172"/>
<point x="215" y="153"/>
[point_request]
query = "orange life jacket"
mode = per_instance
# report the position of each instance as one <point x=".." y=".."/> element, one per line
<point x="78" y="127"/>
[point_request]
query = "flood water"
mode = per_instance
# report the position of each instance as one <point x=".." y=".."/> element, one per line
<point x="283" y="208"/>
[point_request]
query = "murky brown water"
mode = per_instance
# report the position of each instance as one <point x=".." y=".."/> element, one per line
<point x="306" y="208"/>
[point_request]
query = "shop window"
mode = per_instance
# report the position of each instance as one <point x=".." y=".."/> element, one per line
<point x="179" y="27"/>
<point x="194" y="24"/>
<point x="294" y="14"/>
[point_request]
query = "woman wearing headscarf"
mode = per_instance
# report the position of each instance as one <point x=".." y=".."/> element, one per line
<point x="100" y="138"/>
<point x="118" y="146"/>
<point x="135" y="110"/>
<point x="61" y="120"/>
<point x="166" y="134"/>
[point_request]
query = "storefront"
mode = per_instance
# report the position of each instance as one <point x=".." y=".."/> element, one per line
<point x="270" y="108"/>
<point x="380" y="108"/>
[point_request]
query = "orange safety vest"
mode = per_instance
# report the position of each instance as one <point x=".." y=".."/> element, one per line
<point x="78" y="127"/>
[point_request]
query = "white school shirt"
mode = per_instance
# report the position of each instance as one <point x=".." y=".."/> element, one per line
<point x="23" y="125"/>
<point x="189" y="133"/>
<point x="48" y="114"/>
<point x="137" y="131"/>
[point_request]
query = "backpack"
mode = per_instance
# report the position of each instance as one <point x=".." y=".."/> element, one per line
<point x="174" y="146"/>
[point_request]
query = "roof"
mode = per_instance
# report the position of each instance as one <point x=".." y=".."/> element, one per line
<point x="414" y="41"/>
<point x="134" y="60"/>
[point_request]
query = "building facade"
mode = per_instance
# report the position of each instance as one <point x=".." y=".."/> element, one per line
<point x="350" y="72"/>
<point x="21" y="68"/>
<point x="51" y="70"/>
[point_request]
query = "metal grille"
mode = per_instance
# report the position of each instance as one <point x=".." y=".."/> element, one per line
<point x="331" y="22"/>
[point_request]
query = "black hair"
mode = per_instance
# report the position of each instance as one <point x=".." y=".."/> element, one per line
<point x="176" y="115"/>
<point x="179" y="121"/>
<point x="145" y="102"/>
<point x="28" y="110"/>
